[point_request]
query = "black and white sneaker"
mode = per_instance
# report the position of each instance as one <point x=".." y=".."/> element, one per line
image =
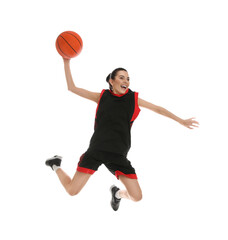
<point x="115" y="202"/>
<point x="56" y="160"/>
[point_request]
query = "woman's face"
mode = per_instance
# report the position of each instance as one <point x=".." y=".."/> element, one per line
<point x="121" y="83"/>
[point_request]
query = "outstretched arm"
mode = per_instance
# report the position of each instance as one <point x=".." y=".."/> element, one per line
<point x="93" y="96"/>
<point x="189" y="123"/>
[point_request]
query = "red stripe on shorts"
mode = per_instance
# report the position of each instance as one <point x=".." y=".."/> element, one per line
<point x="132" y="176"/>
<point x="85" y="170"/>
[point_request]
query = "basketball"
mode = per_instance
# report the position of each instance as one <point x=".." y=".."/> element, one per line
<point x="69" y="44"/>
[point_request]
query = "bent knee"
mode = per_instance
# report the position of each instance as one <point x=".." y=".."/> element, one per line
<point x="73" y="192"/>
<point x="137" y="197"/>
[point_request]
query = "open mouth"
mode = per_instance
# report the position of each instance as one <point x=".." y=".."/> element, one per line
<point x="124" y="87"/>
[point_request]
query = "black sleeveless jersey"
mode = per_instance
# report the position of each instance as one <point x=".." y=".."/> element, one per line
<point x="115" y="115"/>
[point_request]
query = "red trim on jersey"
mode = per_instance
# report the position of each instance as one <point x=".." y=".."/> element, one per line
<point x="132" y="176"/>
<point x="99" y="102"/>
<point x="119" y="95"/>
<point x="137" y="109"/>
<point x="85" y="170"/>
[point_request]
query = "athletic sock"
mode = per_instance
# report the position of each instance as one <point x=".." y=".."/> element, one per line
<point x="117" y="195"/>
<point x="54" y="167"/>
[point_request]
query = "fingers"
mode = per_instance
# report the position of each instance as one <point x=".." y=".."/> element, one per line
<point x="191" y="123"/>
<point x="194" y="123"/>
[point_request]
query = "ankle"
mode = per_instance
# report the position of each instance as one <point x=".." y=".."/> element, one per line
<point x="124" y="194"/>
<point x="55" y="168"/>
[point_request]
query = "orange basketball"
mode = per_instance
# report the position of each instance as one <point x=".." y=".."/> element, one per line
<point x="69" y="44"/>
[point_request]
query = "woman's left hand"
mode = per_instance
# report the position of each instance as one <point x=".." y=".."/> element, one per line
<point x="190" y="123"/>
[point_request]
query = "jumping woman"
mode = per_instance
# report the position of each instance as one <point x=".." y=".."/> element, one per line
<point x="117" y="109"/>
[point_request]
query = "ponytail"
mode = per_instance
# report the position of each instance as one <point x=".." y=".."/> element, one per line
<point x="107" y="80"/>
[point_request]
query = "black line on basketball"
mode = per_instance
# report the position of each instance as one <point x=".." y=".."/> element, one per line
<point x="61" y="50"/>
<point x="68" y="43"/>
<point x="75" y="37"/>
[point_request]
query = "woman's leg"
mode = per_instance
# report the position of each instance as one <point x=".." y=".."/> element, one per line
<point x="75" y="185"/>
<point x="133" y="190"/>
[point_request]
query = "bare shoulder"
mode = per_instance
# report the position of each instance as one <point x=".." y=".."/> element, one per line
<point x="146" y="104"/>
<point x="143" y="103"/>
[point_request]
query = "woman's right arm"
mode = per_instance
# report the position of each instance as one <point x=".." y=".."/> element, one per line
<point x="93" y="96"/>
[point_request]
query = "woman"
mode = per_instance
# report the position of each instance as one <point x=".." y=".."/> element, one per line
<point x="117" y="108"/>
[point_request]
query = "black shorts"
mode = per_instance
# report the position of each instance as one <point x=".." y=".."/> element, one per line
<point x="116" y="164"/>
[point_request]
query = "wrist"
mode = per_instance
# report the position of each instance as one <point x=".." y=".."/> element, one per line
<point x="181" y="121"/>
<point x="66" y="61"/>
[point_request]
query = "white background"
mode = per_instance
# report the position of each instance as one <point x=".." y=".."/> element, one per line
<point x="176" y="55"/>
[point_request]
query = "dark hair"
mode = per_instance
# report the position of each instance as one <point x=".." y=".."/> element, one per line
<point x="112" y="75"/>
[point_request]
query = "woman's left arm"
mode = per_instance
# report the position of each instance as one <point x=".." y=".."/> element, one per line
<point x="189" y="123"/>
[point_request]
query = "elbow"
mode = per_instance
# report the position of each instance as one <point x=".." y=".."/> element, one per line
<point x="71" y="88"/>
